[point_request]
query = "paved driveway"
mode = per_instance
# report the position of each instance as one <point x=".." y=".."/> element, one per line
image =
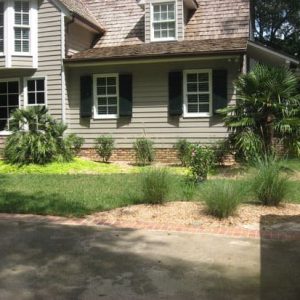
<point x="52" y="261"/>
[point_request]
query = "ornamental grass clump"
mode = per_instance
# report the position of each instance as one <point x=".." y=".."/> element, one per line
<point x="222" y="198"/>
<point x="269" y="185"/>
<point x="155" y="185"/>
<point x="144" y="151"/>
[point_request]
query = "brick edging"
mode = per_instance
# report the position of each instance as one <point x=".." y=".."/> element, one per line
<point x="221" y="230"/>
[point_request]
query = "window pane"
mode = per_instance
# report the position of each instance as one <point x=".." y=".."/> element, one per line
<point x="203" y="77"/>
<point x="101" y="81"/>
<point x="18" y="19"/>
<point x="25" y="33"/>
<point x="25" y="19"/>
<point x="25" y="46"/>
<point x="3" y="113"/>
<point x="40" y="85"/>
<point x="102" y="110"/>
<point x="203" y="98"/>
<point x="112" y="110"/>
<point x="112" y="100"/>
<point x="13" y="87"/>
<point x="111" y="80"/>
<point x="191" y="77"/>
<point x="101" y="90"/>
<point x="3" y="100"/>
<point x="203" y="87"/>
<point x="2" y="124"/>
<point x="18" y="34"/>
<point x="204" y="108"/>
<point x="192" y="87"/>
<point x="13" y="100"/>
<point x="111" y="90"/>
<point x="18" y="46"/>
<point x="31" y="85"/>
<point x="3" y="87"/>
<point x="18" y="6"/>
<point x="40" y="98"/>
<point x="192" y="98"/>
<point x="102" y="101"/>
<point x="193" y="108"/>
<point x="31" y="98"/>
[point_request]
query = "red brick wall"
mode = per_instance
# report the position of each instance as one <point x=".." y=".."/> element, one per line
<point x="163" y="155"/>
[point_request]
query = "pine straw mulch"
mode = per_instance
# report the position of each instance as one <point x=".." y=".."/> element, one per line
<point x="251" y="216"/>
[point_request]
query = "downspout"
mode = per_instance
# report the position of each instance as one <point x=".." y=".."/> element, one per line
<point x="63" y="80"/>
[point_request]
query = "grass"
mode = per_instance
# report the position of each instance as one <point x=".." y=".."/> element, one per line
<point x="55" y="189"/>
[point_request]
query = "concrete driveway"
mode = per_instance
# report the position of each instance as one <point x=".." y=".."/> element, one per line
<point x="52" y="261"/>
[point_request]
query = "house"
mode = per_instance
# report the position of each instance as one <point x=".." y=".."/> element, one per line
<point x="127" y="68"/>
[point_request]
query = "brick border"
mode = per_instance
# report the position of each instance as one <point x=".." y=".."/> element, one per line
<point x="221" y="230"/>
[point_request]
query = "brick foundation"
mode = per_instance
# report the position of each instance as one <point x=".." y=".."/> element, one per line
<point x="162" y="155"/>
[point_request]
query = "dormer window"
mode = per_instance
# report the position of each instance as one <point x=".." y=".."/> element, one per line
<point x="163" y="21"/>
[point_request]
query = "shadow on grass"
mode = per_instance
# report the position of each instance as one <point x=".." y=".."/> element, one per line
<point x="280" y="260"/>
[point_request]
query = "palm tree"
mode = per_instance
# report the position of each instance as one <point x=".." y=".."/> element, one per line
<point x="267" y="107"/>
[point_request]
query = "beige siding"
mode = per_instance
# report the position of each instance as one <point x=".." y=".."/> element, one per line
<point x="150" y="107"/>
<point x="78" y="38"/>
<point x="21" y="61"/>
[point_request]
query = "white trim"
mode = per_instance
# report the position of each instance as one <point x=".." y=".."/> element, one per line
<point x="8" y="32"/>
<point x="25" y="90"/>
<point x="95" y="100"/>
<point x="6" y="132"/>
<point x="63" y="79"/>
<point x="186" y="114"/>
<point x="34" y="32"/>
<point x="161" y="2"/>
<point x="145" y="61"/>
<point x="273" y="52"/>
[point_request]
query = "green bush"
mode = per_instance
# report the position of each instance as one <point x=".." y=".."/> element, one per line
<point x="105" y="147"/>
<point x="75" y="142"/>
<point x="155" y="185"/>
<point x="269" y="185"/>
<point x="36" y="138"/>
<point x="222" y="198"/>
<point x="144" y="151"/>
<point x="183" y="151"/>
<point x="202" y="161"/>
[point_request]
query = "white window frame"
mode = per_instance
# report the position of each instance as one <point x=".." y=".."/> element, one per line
<point x="185" y="93"/>
<point x="161" y="2"/>
<point x="25" y="89"/>
<point x="95" y="96"/>
<point x="7" y="132"/>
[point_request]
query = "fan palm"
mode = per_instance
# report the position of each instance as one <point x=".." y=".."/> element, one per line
<point x="267" y="107"/>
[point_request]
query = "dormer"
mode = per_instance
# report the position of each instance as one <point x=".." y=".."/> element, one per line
<point x="165" y="19"/>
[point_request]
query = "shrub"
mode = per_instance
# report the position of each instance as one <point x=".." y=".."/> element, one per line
<point x="144" y="151"/>
<point x="183" y="151"/>
<point x="75" y="142"/>
<point x="222" y="198"/>
<point x="202" y="161"/>
<point x="36" y="138"/>
<point x="269" y="185"/>
<point x="104" y="147"/>
<point x="155" y="185"/>
<point x="221" y="149"/>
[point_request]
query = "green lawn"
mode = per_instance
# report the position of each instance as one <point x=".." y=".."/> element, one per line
<point x="53" y="190"/>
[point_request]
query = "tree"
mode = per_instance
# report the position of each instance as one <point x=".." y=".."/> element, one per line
<point x="277" y="24"/>
<point x="267" y="108"/>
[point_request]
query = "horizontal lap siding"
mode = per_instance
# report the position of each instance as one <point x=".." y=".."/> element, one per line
<point x="2" y="62"/>
<point x="49" y="54"/>
<point x="21" y="61"/>
<point x="150" y="107"/>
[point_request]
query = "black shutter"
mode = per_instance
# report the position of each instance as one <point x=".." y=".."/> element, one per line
<point x="175" y="94"/>
<point x="125" y="92"/>
<point x="86" y="96"/>
<point x="219" y="89"/>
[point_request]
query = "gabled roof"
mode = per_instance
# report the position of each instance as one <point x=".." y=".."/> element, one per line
<point x="80" y="10"/>
<point x="164" y="49"/>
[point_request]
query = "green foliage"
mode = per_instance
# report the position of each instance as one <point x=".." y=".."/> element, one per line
<point x="75" y="142"/>
<point x="202" y="161"/>
<point x="222" y="198"/>
<point x="155" y="185"/>
<point x="144" y="151"/>
<point x="105" y="147"/>
<point x="269" y="185"/>
<point x="221" y="149"/>
<point x="277" y="24"/>
<point x="183" y="151"/>
<point x="267" y="109"/>
<point x="36" y="138"/>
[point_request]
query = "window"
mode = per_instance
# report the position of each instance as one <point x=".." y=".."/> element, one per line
<point x="106" y="95"/>
<point x="22" y="26"/>
<point x="1" y="26"/>
<point x="9" y="101"/>
<point x="36" y="91"/>
<point x="164" y="21"/>
<point x="198" y="93"/>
